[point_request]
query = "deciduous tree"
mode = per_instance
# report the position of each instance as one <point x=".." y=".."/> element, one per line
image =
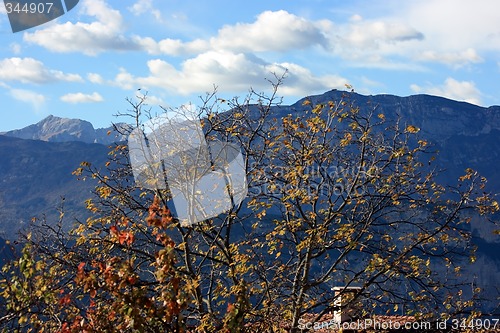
<point x="339" y="196"/>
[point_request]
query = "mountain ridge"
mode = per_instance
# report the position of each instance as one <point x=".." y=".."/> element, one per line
<point x="416" y="108"/>
<point x="57" y="129"/>
<point x="35" y="174"/>
<point x="466" y="135"/>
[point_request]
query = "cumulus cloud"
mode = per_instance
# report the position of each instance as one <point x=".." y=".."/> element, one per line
<point x="175" y="47"/>
<point x="361" y="41"/>
<point x="371" y="43"/>
<point x="272" y="31"/>
<point x="457" y="32"/>
<point x="75" y="98"/>
<point x="416" y="32"/>
<point x="371" y="34"/>
<point x="301" y="81"/>
<point x="453" y="89"/>
<point x="90" y="38"/>
<point x="26" y="96"/>
<point x="29" y="70"/>
<point x="145" y="6"/>
<point x="95" y="78"/>
<point x="277" y="31"/>
<point x="454" y="59"/>
<point x="230" y="71"/>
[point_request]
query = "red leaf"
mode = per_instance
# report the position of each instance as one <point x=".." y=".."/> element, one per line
<point x="126" y="238"/>
<point x="80" y="266"/>
<point x="114" y="230"/>
<point x="65" y="300"/>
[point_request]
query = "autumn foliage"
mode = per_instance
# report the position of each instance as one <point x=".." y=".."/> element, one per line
<point x="337" y="196"/>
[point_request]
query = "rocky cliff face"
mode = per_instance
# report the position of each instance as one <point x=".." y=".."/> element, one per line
<point x="56" y="129"/>
<point x="437" y="117"/>
<point x="464" y="135"/>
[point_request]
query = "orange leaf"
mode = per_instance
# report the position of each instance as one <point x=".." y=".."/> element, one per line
<point x="114" y="230"/>
<point x="126" y="237"/>
<point x="80" y="266"/>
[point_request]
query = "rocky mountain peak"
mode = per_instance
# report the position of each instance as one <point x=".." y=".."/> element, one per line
<point x="57" y="129"/>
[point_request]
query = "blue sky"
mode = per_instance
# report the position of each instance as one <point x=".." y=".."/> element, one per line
<point x="86" y="63"/>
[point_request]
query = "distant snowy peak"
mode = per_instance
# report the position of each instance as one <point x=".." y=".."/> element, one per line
<point x="56" y="129"/>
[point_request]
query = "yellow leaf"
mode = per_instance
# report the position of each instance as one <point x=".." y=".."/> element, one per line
<point x="412" y="129"/>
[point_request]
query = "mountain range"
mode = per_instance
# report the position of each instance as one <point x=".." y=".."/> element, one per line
<point x="56" y="129"/>
<point x="37" y="161"/>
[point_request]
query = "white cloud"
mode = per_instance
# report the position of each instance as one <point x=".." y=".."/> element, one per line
<point x="277" y="31"/>
<point x="95" y="78"/>
<point x="154" y="100"/>
<point x="26" y="96"/>
<point x="272" y="31"/>
<point x="230" y="72"/>
<point x="145" y="6"/>
<point x="356" y="18"/>
<point x="364" y="43"/>
<point x="90" y="38"/>
<point x="451" y="32"/>
<point x="371" y="43"/>
<point x="82" y="98"/>
<point x="371" y="83"/>
<point x="301" y="81"/>
<point x="29" y="70"/>
<point x="15" y="48"/>
<point x="456" y="25"/>
<point x="141" y="7"/>
<point x="169" y="46"/>
<point x="371" y="34"/>
<point x="455" y="59"/>
<point x="453" y="89"/>
<point x="457" y="32"/>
